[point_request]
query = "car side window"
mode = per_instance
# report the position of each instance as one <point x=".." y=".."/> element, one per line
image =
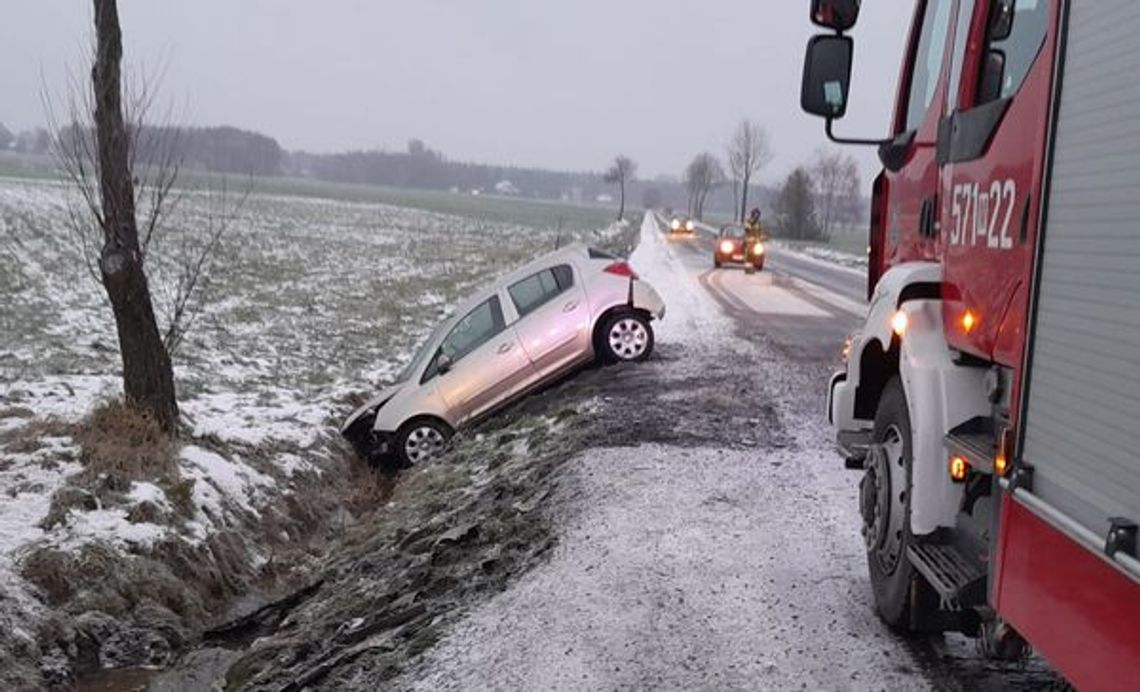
<point x="1014" y="36"/>
<point x="927" y="63"/>
<point x="564" y="275"/>
<point x="475" y="329"/>
<point x="535" y="290"/>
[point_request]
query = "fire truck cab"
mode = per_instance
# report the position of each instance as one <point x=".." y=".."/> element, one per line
<point x="992" y="397"/>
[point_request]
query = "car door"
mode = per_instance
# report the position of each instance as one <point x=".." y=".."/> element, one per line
<point x="487" y="362"/>
<point x="554" y="318"/>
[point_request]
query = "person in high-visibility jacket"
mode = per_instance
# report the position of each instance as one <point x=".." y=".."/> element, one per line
<point x="753" y="231"/>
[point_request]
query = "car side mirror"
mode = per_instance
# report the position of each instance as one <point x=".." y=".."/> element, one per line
<point x="827" y="76"/>
<point x="840" y="15"/>
<point x="443" y="363"/>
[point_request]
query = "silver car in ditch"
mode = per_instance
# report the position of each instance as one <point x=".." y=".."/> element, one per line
<point x="536" y="324"/>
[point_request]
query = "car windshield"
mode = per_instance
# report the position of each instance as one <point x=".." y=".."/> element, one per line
<point x="423" y="354"/>
<point x="732" y="232"/>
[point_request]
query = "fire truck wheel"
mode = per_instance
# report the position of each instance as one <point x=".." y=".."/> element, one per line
<point x="901" y="595"/>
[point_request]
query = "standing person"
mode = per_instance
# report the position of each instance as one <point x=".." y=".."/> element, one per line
<point x="753" y="242"/>
<point x="753" y="231"/>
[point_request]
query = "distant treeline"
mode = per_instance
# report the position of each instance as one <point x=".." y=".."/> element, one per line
<point x="424" y="168"/>
<point x="235" y="151"/>
<point x="215" y="149"/>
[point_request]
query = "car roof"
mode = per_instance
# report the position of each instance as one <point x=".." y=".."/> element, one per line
<point x="566" y="253"/>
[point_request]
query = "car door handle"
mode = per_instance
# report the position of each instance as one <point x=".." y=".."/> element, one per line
<point x="506" y="348"/>
<point x="571" y="306"/>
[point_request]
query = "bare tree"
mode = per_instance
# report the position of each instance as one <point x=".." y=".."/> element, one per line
<point x="124" y="203"/>
<point x="749" y="150"/>
<point x="702" y="175"/>
<point x="621" y="171"/>
<point x="836" y="176"/>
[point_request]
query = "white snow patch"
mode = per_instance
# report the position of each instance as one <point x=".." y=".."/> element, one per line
<point x="689" y="310"/>
<point x="108" y="525"/>
<point x="221" y="485"/>
<point x="255" y="418"/>
<point x="827" y="256"/>
<point x="148" y="492"/>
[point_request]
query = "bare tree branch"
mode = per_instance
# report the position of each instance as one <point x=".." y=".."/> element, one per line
<point x="193" y="262"/>
<point x="749" y="150"/>
<point x="836" y="177"/>
<point x="621" y="172"/>
<point x="703" y="174"/>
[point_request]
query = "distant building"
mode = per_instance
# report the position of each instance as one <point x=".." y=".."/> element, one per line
<point x="506" y="187"/>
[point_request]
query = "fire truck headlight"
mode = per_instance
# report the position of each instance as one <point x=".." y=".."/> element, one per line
<point x="900" y="321"/>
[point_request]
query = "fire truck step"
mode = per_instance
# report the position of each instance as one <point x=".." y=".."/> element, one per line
<point x="976" y="441"/>
<point x="853" y="447"/>
<point x="946" y="570"/>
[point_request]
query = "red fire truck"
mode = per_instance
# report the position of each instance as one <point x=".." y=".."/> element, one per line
<point x="991" y="399"/>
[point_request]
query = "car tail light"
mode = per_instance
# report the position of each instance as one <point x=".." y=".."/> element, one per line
<point x="621" y="269"/>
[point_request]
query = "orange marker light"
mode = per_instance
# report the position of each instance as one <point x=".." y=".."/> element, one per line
<point x="958" y="469"/>
<point x="900" y="322"/>
<point x="1004" y="452"/>
<point x="969" y="321"/>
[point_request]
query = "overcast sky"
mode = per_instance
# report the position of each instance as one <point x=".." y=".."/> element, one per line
<point x="560" y="84"/>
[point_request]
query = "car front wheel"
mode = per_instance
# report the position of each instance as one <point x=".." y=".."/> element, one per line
<point x="626" y="337"/>
<point x="421" y="440"/>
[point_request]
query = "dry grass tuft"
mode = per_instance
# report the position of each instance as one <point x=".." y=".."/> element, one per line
<point x="125" y="444"/>
<point x="369" y="488"/>
<point x="28" y="438"/>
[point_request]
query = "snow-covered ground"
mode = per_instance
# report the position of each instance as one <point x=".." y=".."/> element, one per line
<point x="311" y="303"/>
<point x="825" y="254"/>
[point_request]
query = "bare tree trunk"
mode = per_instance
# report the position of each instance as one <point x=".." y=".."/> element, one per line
<point x="148" y="381"/>
<point x="736" y="198"/>
<point x="744" y="197"/>
<point x="621" y="207"/>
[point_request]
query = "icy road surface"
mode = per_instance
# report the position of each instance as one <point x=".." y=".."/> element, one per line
<point x="713" y="542"/>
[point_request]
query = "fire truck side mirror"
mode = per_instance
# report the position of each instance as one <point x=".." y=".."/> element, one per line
<point x="1001" y="19"/>
<point x="827" y="76"/>
<point x="840" y="15"/>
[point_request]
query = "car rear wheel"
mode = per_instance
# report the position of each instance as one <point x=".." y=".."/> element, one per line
<point x="626" y="337"/>
<point x="421" y="440"/>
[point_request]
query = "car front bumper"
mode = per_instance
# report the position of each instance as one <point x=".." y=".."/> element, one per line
<point x="374" y="446"/>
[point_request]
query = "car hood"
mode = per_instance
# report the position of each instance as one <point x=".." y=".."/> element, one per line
<point x="372" y="404"/>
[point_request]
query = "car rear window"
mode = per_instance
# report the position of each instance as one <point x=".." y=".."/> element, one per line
<point x="595" y="253"/>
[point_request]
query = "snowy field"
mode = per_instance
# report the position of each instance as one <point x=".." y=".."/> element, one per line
<point x="311" y="304"/>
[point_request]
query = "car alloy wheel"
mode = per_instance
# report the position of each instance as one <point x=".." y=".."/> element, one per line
<point x="628" y="338"/>
<point x="424" y="442"/>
